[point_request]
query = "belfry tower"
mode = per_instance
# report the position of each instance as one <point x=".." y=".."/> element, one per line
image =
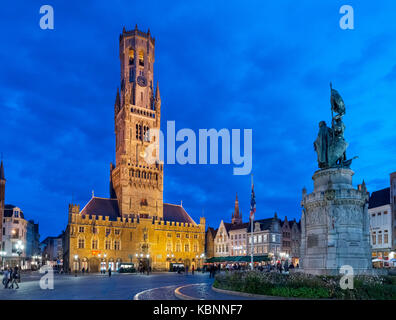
<point x="237" y="215"/>
<point x="137" y="184"/>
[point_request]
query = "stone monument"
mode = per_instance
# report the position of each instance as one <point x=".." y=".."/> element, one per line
<point x="334" y="222"/>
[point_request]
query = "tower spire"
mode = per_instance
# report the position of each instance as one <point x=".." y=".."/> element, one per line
<point x="2" y="176"/>
<point x="157" y="93"/>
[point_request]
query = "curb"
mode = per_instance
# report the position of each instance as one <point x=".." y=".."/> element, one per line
<point x="183" y="296"/>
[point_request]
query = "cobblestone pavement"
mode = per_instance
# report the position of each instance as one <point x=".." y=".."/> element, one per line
<point x="101" y="287"/>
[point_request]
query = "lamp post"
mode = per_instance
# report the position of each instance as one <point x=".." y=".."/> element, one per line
<point x="75" y="264"/>
<point x="2" y="254"/>
<point x="19" y="246"/>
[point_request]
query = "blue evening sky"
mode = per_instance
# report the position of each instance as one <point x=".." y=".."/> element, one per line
<point x="264" y="65"/>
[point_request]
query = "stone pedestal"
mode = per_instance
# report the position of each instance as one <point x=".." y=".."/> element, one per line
<point x="335" y="225"/>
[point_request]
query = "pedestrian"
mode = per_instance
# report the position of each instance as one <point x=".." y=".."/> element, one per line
<point x="14" y="278"/>
<point x="192" y="270"/>
<point x="83" y="270"/>
<point x="109" y="271"/>
<point x="186" y="270"/>
<point x="6" y="278"/>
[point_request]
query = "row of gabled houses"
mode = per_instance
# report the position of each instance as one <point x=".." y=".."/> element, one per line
<point x="273" y="239"/>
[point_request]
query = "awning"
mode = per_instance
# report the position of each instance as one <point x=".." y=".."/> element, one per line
<point x="238" y="259"/>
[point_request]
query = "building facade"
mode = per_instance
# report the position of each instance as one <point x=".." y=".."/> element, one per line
<point x="267" y="238"/>
<point x="380" y="215"/>
<point x="14" y="237"/>
<point x="2" y="202"/>
<point x="393" y="207"/>
<point x="210" y="236"/>
<point x="52" y="250"/>
<point x="134" y="225"/>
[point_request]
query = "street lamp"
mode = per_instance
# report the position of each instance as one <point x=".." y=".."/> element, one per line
<point x="3" y="254"/>
<point x="76" y="264"/>
<point x="19" y="246"/>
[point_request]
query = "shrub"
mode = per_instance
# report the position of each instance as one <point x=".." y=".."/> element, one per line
<point x="300" y="285"/>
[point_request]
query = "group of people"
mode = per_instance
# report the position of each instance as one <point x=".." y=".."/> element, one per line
<point x="274" y="267"/>
<point x="144" y="269"/>
<point x="11" y="277"/>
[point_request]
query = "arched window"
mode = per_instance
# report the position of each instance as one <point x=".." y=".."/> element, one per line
<point x="137" y="132"/>
<point x="141" y="58"/>
<point x="131" y="56"/>
<point x="95" y="244"/>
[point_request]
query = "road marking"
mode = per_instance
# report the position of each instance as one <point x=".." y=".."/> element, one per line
<point x="136" y="297"/>
<point x="183" y="296"/>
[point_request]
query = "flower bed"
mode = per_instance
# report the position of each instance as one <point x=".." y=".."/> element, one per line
<point x="299" y="285"/>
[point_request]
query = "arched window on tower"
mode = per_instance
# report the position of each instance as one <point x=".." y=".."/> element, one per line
<point x="141" y="58"/>
<point x="131" y="56"/>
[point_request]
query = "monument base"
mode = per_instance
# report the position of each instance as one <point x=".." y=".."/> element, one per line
<point x="335" y="225"/>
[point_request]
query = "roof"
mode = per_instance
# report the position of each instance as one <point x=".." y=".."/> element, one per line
<point x="265" y="224"/>
<point x="109" y="207"/>
<point x="212" y="231"/>
<point x="379" y="198"/>
<point x="9" y="209"/>
<point x="102" y="207"/>
<point x="173" y="212"/>
<point x="238" y="226"/>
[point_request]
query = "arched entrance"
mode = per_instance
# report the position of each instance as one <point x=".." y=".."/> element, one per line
<point x="187" y="263"/>
<point x="94" y="265"/>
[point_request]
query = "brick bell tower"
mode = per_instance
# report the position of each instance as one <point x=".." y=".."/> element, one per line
<point x="136" y="184"/>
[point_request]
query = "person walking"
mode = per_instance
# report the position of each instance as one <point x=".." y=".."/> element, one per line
<point x="6" y="278"/>
<point x="109" y="272"/>
<point x="14" y="279"/>
<point x="186" y="270"/>
<point x="192" y="270"/>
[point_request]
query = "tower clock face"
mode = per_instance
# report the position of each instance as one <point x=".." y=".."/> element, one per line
<point x="142" y="81"/>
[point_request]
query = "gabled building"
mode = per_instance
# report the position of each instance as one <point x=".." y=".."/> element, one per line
<point x="267" y="237"/>
<point x="380" y="215"/>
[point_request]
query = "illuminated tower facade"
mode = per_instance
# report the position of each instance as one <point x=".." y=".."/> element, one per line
<point x="137" y="185"/>
<point x="2" y="199"/>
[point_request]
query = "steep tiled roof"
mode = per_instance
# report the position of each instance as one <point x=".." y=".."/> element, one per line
<point x="212" y="231"/>
<point x="102" y="207"/>
<point x="239" y="226"/>
<point x="265" y="224"/>
<point x="173" y="212"/>
<point x="379" y="198"/>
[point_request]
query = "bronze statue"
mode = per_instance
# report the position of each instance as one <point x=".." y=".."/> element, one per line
<point x="330" y="144"/>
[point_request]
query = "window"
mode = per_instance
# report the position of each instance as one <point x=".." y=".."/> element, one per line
<point x="94" y="230"/>
<point x="108" y="244"/>
<point x="117" y="231"/>
<point x="81" y="243"/>
<point x="186" y="247"/>
<point x="385" y="212"/>
<point x="373" y="215"/>
<point x="141" y="58"/>
<point x="187" y="235"/>
<point x="131" y="75"/>
<point x="116" y="245"/>
<point x="195" y="247"/>
<point x="232" y="237"/>
<point x="169" y="235"/>
<point x="195" y="236"/>
<point x="380" y="237"/>
<point x="373" y="238"/>
<point x="81" y="229"/>
<point x="386" y="236"/>
<point x="177" y="247"/>
<point x="177" y="235"/>
<point x="169" y="246"/>
<point x="131" y="56"/>
<point x="94" y="244"/>
<point x="108" y="231"/>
